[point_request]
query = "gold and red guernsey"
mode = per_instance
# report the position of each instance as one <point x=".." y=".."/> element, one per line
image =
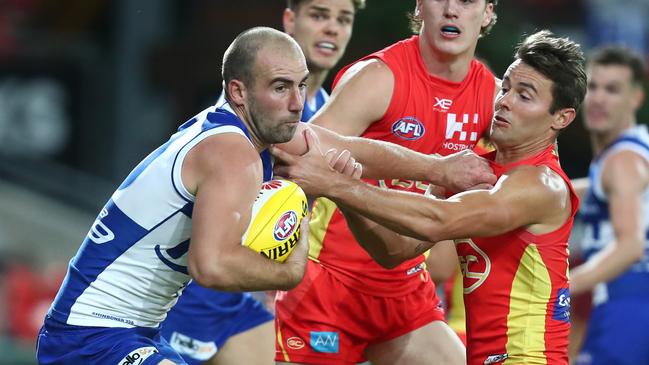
<point x="426" y="114"/>
<point x="516" y="289"/>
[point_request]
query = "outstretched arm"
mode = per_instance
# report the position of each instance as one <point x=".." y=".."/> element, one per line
<point x="221" y="214"/>
<point x="361" y="98"/>
<point x="625" y="177"/>
<point x="532" y="197"/>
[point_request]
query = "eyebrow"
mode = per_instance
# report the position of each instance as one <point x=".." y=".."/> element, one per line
<point x="529" y="86"/>
<point x="288" y="81"/>
<point x="326" y="10"/>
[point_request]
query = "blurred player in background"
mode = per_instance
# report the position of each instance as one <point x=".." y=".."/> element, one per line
<point x="614" y="212"/>
<point x="212" y="327"/>
<point x="427" y="93"/>
<point x="512" y="240"/>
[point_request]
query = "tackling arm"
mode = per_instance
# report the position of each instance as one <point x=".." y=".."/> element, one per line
<point x="361" y="98"/>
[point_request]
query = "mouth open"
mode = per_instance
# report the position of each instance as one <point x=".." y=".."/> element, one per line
<point x="327" y="47"/>
<point x="451" y="30"/>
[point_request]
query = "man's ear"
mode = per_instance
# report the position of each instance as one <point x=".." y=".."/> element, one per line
<point x="237" y="92"/>
<point x="563" y="118"/>
<point x="288" y="20"/>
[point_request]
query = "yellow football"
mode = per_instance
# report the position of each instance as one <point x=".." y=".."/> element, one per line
<point x="277" y="213"/>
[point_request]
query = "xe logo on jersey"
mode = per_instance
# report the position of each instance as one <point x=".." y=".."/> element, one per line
<point x="326" y="342"/>
<point x="444" y="104"/>
<point x="408" y="128"/>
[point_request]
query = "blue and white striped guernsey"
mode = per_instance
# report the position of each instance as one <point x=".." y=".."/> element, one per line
<point x="132" y="266"/>
<point x="598" y="233"/>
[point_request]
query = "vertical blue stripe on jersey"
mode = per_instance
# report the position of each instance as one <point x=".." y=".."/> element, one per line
<point x="308" y="112"/>
<point x="267" y="163"/>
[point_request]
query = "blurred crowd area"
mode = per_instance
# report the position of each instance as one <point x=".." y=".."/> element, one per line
<point x="89" y="87"/>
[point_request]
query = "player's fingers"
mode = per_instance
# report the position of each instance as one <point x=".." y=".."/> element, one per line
<point x="282" y="155"/>
<point x="304" y="231"/>
<point x="481" y="187"/>
<point x="281" y="171"/>
<point x="358" y="170"/>
<point x="341" y="160"/>
<point x="312" y="141"/>
<point x="349" y="167"/>
<point x="491" y="178"/>
<point x="330" y="155"/>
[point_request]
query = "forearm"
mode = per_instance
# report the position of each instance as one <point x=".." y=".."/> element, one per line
<point x="386" y="247"/>
<point x="241" y="269"/>
<point x="384" y="160"/>
<point x="603" y="267"/>
<point x="404" y="213"/>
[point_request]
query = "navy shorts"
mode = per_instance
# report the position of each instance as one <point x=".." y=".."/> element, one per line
<point x="62" y="344"/>
<point x="204" y="319"/>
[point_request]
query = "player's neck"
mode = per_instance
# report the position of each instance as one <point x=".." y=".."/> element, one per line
<point x="601" y="140"/>
<point x="252" y="130"/>
<point x="453" y="68"/>
<point x="314" y="82"/>
<point x="506" y="155"/>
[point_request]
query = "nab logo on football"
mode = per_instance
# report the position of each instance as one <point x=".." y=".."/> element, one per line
<point x="408" y="128"/>
<point x="270" y="185"/>
<point x="285" y="226"/>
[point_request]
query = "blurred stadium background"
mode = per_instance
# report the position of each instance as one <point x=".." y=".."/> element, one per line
<point x="89" y="87"/>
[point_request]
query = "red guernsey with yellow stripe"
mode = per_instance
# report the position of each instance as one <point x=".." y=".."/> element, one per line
<point x="516" y="289"/>
<point x="427" y="114"/>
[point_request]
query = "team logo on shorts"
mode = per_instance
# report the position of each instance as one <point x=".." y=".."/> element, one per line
<point x="285" y="226"/>
<point x="137" y="356"/>
<point x="408" y="128"/>
<point x="295" y="343"/>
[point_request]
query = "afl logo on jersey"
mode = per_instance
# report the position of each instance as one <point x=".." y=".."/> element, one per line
<point x="285" y="226"/>
<point x="408" y="128"/>
<point x="474" y="263"/>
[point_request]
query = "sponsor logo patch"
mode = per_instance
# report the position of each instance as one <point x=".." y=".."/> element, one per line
<point x="326" y="342"/>
<point x="562" y="306"/>
<point x="415" y="269"/>
<point x="408" y="128"/>
<point x="461" y="130"/>
<point x="194" y="348"/>
<point x="137" y="356"/>
<point x="295" y="343"/>
<point x="494" y="359"/>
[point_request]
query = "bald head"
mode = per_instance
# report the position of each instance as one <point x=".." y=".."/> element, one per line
<point x="240" y="57"/>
